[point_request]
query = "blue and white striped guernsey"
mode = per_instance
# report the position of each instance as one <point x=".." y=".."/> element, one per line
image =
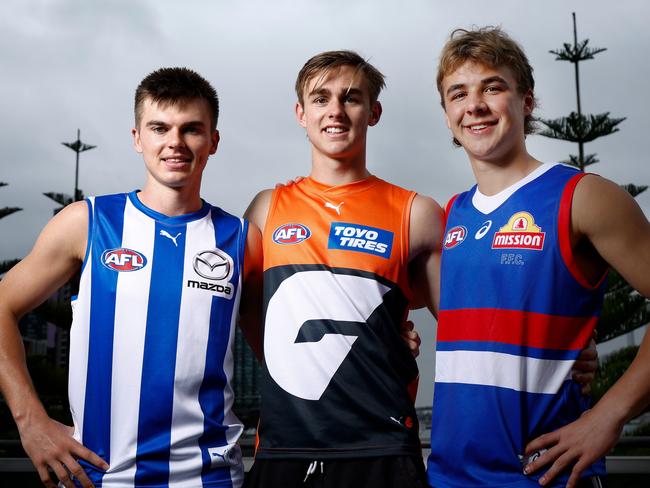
<point x="150" y="353"/>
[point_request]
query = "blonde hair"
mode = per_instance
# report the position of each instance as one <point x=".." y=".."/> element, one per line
<point x="323" y="63"/>
<point x="491" y="47"/>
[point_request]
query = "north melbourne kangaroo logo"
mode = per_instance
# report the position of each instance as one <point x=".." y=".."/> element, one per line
<point x="336" y="208"/>
<point x="166" y="234"/>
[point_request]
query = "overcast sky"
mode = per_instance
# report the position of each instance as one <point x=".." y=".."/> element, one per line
<point x="68" y="64"/>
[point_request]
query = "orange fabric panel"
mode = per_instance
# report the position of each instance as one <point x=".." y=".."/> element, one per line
<point x="371" y="202"/>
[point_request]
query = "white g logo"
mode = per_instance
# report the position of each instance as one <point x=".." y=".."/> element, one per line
<point x="305" y="369"/>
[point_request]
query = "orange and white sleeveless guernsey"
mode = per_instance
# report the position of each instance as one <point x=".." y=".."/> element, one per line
<point x="336" y="374"/>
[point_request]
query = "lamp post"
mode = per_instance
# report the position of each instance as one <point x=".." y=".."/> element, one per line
<point x="78" y="147"/>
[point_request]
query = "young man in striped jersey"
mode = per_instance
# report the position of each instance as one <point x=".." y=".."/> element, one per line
<point x="524" y="260"/>
<point x="161" y="281"/>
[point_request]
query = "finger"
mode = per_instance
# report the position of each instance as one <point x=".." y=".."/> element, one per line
<point x="577" y="470"/>
<point x="408" y="325"/>
<point x="75" y="469"/>
<point x="558" y="466"/>
<point x="586" y="389"/>
<point x="583" y="378"/>
<point x="62" y="474"/>
<point x="585" y="366"/>
<point x="44" y="475"/>
<point x="545" y="441"/>
<point x="87" y="455"/>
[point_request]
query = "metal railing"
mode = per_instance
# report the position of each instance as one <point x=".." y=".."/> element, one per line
<point x="615" y="464"/>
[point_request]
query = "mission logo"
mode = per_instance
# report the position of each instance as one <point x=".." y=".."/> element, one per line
<point x="519" y="233"/>
<point x="291" y="234"/>
<point x="123" y="259"/>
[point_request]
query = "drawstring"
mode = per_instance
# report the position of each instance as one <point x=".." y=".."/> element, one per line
<point x="311" y="469"/>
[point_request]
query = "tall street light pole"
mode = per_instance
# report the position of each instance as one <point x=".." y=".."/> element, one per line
<point x="78" y="147"/>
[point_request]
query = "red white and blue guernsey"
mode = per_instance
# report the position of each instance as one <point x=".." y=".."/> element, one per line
<point x="515" y="312"/>
<point x="150" y="352"/>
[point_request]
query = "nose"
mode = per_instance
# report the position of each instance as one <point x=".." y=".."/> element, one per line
<point x="335" y="109"/>
<point x="476" y="103"/>
<point x="175" y="138"/>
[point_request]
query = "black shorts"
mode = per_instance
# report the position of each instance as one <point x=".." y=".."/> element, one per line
<point x="380" y="472"/>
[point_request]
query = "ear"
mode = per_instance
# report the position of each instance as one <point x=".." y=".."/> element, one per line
<point x="300" y="115"/>
<point x="529" y="103"/>
<point x="375" y="114"/>
<point x="137" y="144"/>
<point x="215" y="141"/>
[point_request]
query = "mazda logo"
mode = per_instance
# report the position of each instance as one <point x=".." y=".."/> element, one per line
<point x="213" y="265"/>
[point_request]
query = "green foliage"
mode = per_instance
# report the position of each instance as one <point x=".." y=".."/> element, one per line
<point x="577" y="52"/>
<point x="60" y="198"/>
<point x="580" y="128"/>
<point x="611" y="369"/>
<point x="623" y="309"/>
<point x="5" y="211"/>
<point x="7" y="265"/>
<point x="634" y="190"/>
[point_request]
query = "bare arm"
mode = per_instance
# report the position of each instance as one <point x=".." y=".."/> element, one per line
<point x="56" y="256"/>
<point x="611" y="221"/>
<point x="250" y="309"/>
<point x="425" y="246"/>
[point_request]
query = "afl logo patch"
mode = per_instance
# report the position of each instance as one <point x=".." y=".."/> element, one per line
<point x="213" y="264"/>
<point x="123" y="259"/>
<point x="455" y="236"/>
<point x="291" y="234"/>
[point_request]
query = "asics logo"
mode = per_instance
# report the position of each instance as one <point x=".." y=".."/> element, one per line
<point x="483" y="230"/>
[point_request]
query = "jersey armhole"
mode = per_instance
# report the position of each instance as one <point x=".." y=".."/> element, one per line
<point x="275" y="196"/>
<point x="450" y="203"/>
<point x="89" y="233"/>
<point x="564" y="235"/>
<point x="406" y="238"/>
<point x="241" y="248"/>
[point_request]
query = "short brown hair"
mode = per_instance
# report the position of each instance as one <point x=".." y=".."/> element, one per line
<point x="324" y="62"/>
<point x="174" y="85"/>
<point x="491" y="47"/>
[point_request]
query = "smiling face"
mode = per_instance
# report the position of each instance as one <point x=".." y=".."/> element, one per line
<point x="336" y="113"/>
<point x="175" y="140"/>
<point x="486" y="112"/>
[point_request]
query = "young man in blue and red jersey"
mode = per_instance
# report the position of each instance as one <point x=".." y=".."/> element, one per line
<point x="522" y="274"/>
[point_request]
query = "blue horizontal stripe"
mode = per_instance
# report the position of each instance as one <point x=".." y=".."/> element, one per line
<point x="515" y="350"/>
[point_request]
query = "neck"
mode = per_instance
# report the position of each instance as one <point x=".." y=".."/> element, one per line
<point x="170" y="201"/>
<point x="493" y="177"/>
<point x="335" y="172"/>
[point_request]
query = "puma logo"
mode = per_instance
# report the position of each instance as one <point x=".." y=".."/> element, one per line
<point x="166" y="234"/>
<point x="336" y="208"/>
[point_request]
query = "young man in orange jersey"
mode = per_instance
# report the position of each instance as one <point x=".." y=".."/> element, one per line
<point x="529" y="246"/>
<point x="338" y="248"/>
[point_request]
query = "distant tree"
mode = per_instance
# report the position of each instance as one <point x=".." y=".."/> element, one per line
<point x="624" y="309"/>
<point x="4" y="212"/>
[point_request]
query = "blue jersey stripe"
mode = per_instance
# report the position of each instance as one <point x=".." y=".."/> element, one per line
<point x="515" y="350"/>
<point x="161" y="336"/>
<point x="211" y="395"/>
<point x="97" y="404"/>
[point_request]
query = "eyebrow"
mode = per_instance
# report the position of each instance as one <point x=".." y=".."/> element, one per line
<point x="191" y="123"/>
<point x="484" y="81"/>
<point x="325" y="91"/>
